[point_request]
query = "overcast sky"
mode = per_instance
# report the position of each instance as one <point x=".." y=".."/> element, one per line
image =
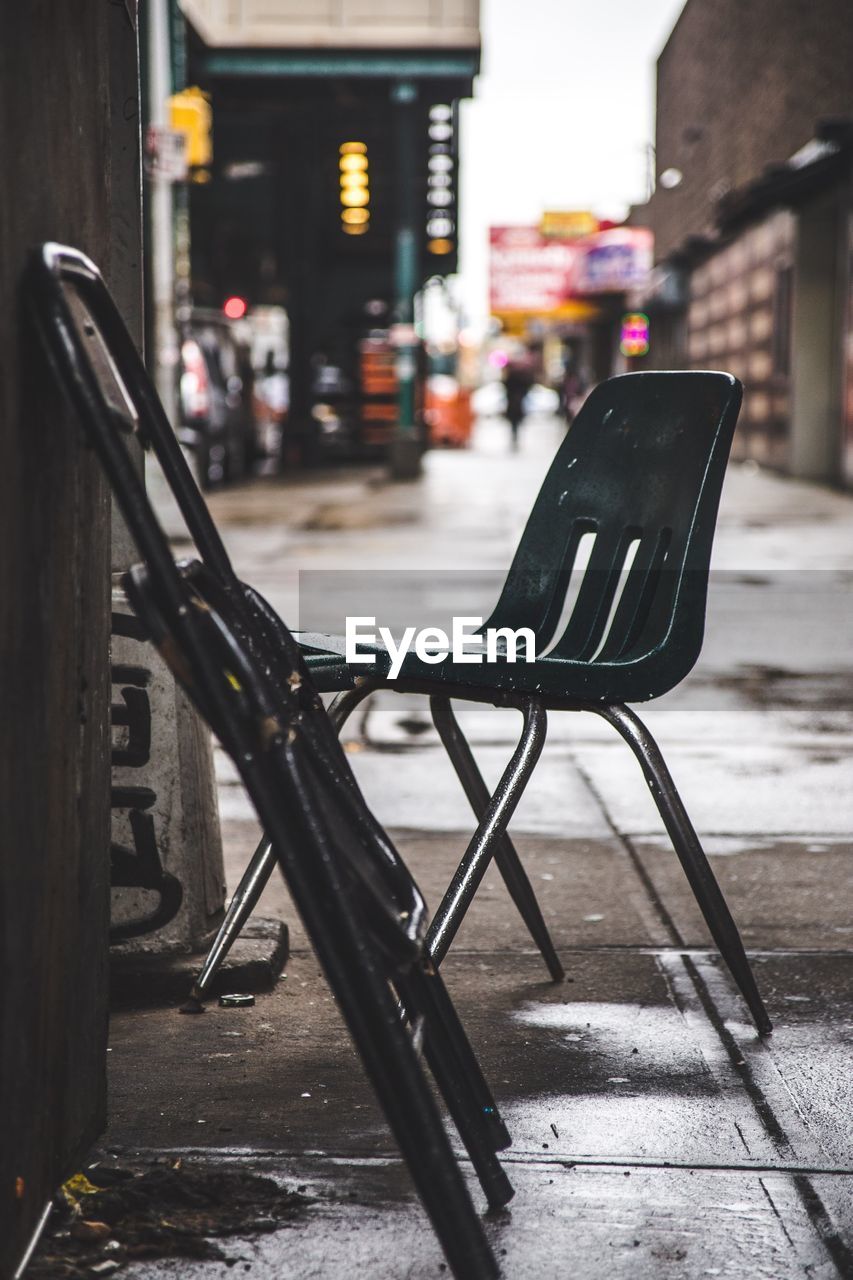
<point x="562" y="116"/>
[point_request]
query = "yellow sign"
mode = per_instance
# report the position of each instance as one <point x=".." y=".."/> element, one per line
<point x="191" y="114"/>
<point x="570" y="312"/>
<point x="568" y="224"/>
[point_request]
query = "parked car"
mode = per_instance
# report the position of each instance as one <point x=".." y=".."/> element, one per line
<point x="216" y="409"/>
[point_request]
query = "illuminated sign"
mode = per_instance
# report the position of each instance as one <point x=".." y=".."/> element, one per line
<point x="634" y="338"/>
<point x="528" y="273"/>
<point x="355" y="188"/>
<point x="441" y="185"/>
<point x="568" y="224"/>
<point x="616" y="260"/>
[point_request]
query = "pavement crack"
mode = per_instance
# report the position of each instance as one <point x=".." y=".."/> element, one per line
<point x="776" y="1212"/>
<point x="741" y="1136"/>
<point x="265" y="1156"/>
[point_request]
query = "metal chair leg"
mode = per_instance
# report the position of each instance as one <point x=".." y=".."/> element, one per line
<point x="358" y="976"/>
<point x="249" y="890"/>
<point x="358" y="980"/>
<point x="490" y="831"/>
<point x="442" y="1015"/>
<point x="448" y="1050"/>
<point x="256" y="877"/>
<point x="341" y="708"/>
<point x="420" y="996"/>
<point x="692" y="856"/>
<point x="386" y="1049"/>
<point x="506" y="856"/>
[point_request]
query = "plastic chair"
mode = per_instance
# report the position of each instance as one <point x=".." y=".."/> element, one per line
<point x="361" y="908"/>
<point x="641" y="469"/>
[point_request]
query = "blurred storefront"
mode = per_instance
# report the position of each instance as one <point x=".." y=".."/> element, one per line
<point x="567" y="281"/>
<point x="752" y="215"/>
<point x="333" y="190"/>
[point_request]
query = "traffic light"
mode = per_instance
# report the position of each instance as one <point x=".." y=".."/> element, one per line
<point x="235" y="307"/>
<point x="355" y="188"/>
<point x="190" y="114"/>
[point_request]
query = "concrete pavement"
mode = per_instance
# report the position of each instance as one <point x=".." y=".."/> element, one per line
<point x="654" y="1135"/>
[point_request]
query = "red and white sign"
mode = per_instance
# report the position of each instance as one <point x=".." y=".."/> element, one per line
<point x="528" y="272"/>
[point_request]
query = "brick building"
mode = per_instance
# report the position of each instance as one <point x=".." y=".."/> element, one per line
<point x="752" y="215"/>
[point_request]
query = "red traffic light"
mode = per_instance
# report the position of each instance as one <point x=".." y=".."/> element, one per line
<point x="235" y="308"/>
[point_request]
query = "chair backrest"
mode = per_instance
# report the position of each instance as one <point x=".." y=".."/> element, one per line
<point x="90" y="346"/>
<point x="641" y="468"/>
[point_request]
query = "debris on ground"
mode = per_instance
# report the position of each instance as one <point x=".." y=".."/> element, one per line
<point x="236" y="1001"/>
<point x="171" y="1209"/>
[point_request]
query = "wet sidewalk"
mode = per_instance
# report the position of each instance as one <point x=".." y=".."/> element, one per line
<point x="654" y="1134"/>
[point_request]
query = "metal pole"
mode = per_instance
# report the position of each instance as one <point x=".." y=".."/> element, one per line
<point x="162" y="248"/>
<point x="405" y="447"/>
<point x="180" y="190"/>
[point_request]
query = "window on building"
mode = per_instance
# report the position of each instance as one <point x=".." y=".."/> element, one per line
<point x="782" y="311"/>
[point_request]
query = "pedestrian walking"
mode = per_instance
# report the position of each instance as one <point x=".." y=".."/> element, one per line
<point x="517" y="381"/>
<point x="572" y="393"/>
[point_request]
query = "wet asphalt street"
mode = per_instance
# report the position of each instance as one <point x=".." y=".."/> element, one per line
<point x="654" y="1134"/>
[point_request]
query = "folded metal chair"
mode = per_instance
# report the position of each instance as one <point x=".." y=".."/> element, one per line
<point x="641" y="469"/>
<point x="361" y="908"/>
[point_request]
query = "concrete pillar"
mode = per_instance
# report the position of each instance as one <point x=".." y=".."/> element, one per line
<point x="165" y="825"/>
<point x="816" y="343"/>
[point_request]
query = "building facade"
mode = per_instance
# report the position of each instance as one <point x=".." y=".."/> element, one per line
<point x="752" y="220"/>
